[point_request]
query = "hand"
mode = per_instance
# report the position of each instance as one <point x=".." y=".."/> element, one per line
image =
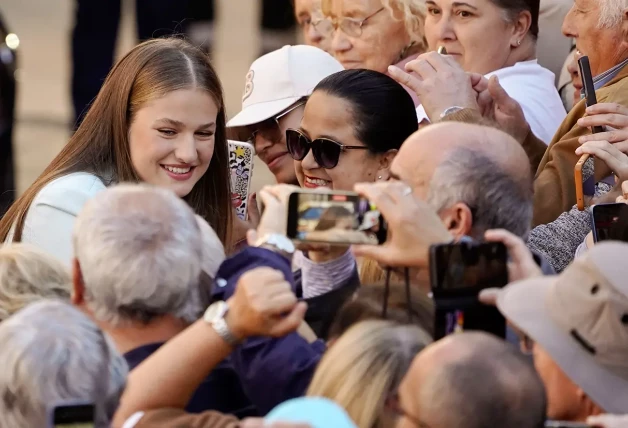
<point x="504" y="110"/>
<point x="608" y="421"/>
<point x="608" y="115"/>
<point x="611" y="154"/>
<point x="253" y="211"/>
<point x="275" y="217"/>
<point x="412" y="226"/>
<point x="439" y="83"/>
<point x="264" y="305"/>
<point x="259" y="423"/>
<point x="520" y="266"/>
<point x="624" y="196"/>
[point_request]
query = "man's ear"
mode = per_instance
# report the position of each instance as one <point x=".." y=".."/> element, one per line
<point x="458" y="220"/>
<point x="624" y="26"/>
<point x="78" y="286"/>
<point x="385" y="161"/>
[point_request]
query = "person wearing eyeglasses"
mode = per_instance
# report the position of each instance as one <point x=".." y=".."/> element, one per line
<point x="374" y="34"/>
<point x="315" y="27"/>
<point x="276" y="88"/>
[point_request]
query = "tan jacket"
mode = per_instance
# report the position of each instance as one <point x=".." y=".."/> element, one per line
<point x="177" y="418"/>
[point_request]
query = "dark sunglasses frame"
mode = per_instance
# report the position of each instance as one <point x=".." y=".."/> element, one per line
<point x="316" y="145"/>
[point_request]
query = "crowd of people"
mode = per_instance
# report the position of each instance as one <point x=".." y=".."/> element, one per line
<point x="128" y="282"/>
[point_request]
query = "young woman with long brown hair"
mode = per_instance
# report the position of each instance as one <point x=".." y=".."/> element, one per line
<point x="159" y="118"/>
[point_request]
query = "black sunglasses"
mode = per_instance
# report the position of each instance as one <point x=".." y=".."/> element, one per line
<point x="326" y="152"/>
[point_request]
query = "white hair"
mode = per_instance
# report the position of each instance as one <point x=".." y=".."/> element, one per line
<point x="611" y="12"/>
<point x="53" y="353"/>
<point x="139" y="250"/>
<point x="213" y="251"/>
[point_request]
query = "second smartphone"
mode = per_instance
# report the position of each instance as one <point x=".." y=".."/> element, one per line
<point x="610" y="222"/>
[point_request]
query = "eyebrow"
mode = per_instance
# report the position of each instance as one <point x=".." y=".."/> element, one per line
<point x="179" y="124"/>
<point x="458" y="4"/>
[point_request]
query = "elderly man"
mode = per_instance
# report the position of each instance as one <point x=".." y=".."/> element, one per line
<point x="471" y="380"/>
<point x="599" y="29"/>
<point x="139" y="253"/>
<point x="51" y="355"/>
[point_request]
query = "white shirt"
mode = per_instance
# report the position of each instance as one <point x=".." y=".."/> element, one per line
<point x="532" y="86"/>
<point x="50" y="218"/>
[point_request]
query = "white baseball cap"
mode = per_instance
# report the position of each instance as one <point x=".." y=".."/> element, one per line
<point x="279" y="79"/>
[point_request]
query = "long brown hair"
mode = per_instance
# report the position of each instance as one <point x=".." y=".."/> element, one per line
<point x="101" y="144"/>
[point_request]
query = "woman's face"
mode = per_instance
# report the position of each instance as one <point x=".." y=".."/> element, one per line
<point x="316" y="30"/>
<point x="474" y="32"/>
<point x="171" y="139"/>
<point x="331" y="117"/>
<point x="382" y="40"/>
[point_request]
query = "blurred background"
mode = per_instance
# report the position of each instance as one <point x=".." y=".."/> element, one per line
<point x="231" y="30"/>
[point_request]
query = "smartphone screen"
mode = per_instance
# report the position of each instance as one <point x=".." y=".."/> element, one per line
<point x="458" y="272"/>
<point x="610" y="222"/>
<point x="75" y="416"/>
<point x="334" y="217"/>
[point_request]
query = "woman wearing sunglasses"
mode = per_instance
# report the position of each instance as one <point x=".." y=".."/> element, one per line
<point x="375" y="34"/>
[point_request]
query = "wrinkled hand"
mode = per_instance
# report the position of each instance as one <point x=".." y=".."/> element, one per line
<point x="275" y="216"/>
<point x="412" y="226"/>
<point x="608" y="421"/>
<point x="259" y="423"/>
<point x="439" y="83"/>
<point x="264" y="305"/>
<point x="608" y="115"/>
<point x="521" y="264"/>
<point x="611" y="154"/>
<point x="496" y="104"/>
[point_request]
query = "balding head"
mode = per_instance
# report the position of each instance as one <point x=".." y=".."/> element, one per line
<point x="138" y="253"/>
<point x="473" y="380"/>
<point x="476" y="177"/>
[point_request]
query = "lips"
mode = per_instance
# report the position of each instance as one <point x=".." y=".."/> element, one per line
<point x="179" y="172"/>
<point x="314" y="182"/>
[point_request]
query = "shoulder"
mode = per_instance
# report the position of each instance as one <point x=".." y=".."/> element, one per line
<point x="70" y="191"/>
<point x="615" y="93"/>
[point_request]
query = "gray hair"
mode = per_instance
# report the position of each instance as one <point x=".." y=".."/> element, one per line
<point x="611" y="12"/>
<point x="53" y="353"/>
<point x="496" y="199"/>
<point x="28" y="274"/>
<point x="139" y="250"/>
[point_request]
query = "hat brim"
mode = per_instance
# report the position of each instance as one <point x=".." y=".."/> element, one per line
<point x="259" y="112"/>
<point x="523" y="304"/>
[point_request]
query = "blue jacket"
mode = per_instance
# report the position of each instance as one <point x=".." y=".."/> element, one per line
<point x="271" y="370"/>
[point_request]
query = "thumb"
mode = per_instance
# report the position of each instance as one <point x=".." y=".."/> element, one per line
<point x="290" y="322"/>
<point x="251" y="236"/>
<point x="488" y="296"/>
<point x="378" y="253"/>
<point x="498" y="93"/>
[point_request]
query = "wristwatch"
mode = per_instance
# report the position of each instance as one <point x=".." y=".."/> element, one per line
<point x="215" y="316"/>
<point x="277" y="242"/>
<point x="450" y="110"/>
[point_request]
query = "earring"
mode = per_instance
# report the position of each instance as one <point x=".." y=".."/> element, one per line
<point x="518" y="42"/>
<point x="379" y="177"/>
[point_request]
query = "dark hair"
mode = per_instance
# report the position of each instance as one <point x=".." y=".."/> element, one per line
<point x="367" y="305"/>
<point x="101" y="143"/>
<point x="515" y="7"/>
<point x="383" y="111"/>
<point x="330" y="217"/>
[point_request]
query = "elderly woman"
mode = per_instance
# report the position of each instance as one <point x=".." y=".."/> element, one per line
<point x="374" y="34"/>
<point x="316" y="29"/>
<point x="53" y="354"/>
<point x="496" y="37"/>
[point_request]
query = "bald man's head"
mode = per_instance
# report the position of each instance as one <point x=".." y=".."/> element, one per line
<point x="473" y="380"/>
<point x="456" y="165"/>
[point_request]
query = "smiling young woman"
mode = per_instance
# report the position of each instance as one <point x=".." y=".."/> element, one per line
<point x="160" y="119"/>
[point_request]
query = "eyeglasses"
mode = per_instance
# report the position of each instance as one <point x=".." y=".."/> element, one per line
<point x="350" y="26"/>
<point x="320" y="24"/>
<point x="326" y="152"/>
<point x="271" y="126"/>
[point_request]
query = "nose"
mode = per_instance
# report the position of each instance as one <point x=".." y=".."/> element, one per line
<point x="444" y="30"/>
<point x="262" y="142"/>
<point x="340" y="42"/>
<point x="185" y="151"/>
<point x="568" y="28"/>
<point x="309" y="163"/>
<point x="313" y="34"/>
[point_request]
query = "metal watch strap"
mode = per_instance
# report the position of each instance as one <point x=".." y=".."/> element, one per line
<point x="221" y="327"/>
<point x="450" y="110"/>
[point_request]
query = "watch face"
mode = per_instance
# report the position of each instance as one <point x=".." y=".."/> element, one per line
<point x="215" y="311"/>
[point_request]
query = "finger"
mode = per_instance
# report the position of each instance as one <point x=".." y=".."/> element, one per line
<point x="517" y="249"/>
<point x="488" y="296"/>
<point x="278" y="304"/>
<point x="613" y="120"/>
<point x="376" y="195"/>
<point x="422" y="68"/>
<point x="263" y="274"/>
<point x="624" y="189"/>
<point x="615" y="136"/>
<point x="253" y="211"/>
<point x="379" y="253"/>
<point x="499" y="94"/>
<point x="412" y="82"/>
<point x="437" y="61"/>
<point x="478" y="81"/>
<point x="612" y="157"/>
<point x="602" y="108"/>
<point x="251" y="237"/>
<point x="290" y="322"/>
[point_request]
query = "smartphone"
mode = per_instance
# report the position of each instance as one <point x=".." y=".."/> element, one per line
<point x="458" y="272"/>
<point x="241" y="157"/>
<point x="584" y="172"/>
<point x="76" y="415"/>
<point x="334" y="217"/>
<point x="610" y="222"/>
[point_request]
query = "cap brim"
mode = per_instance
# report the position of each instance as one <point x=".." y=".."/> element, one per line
<point x="259" y="112"/>
<point x="523" y="304"/>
